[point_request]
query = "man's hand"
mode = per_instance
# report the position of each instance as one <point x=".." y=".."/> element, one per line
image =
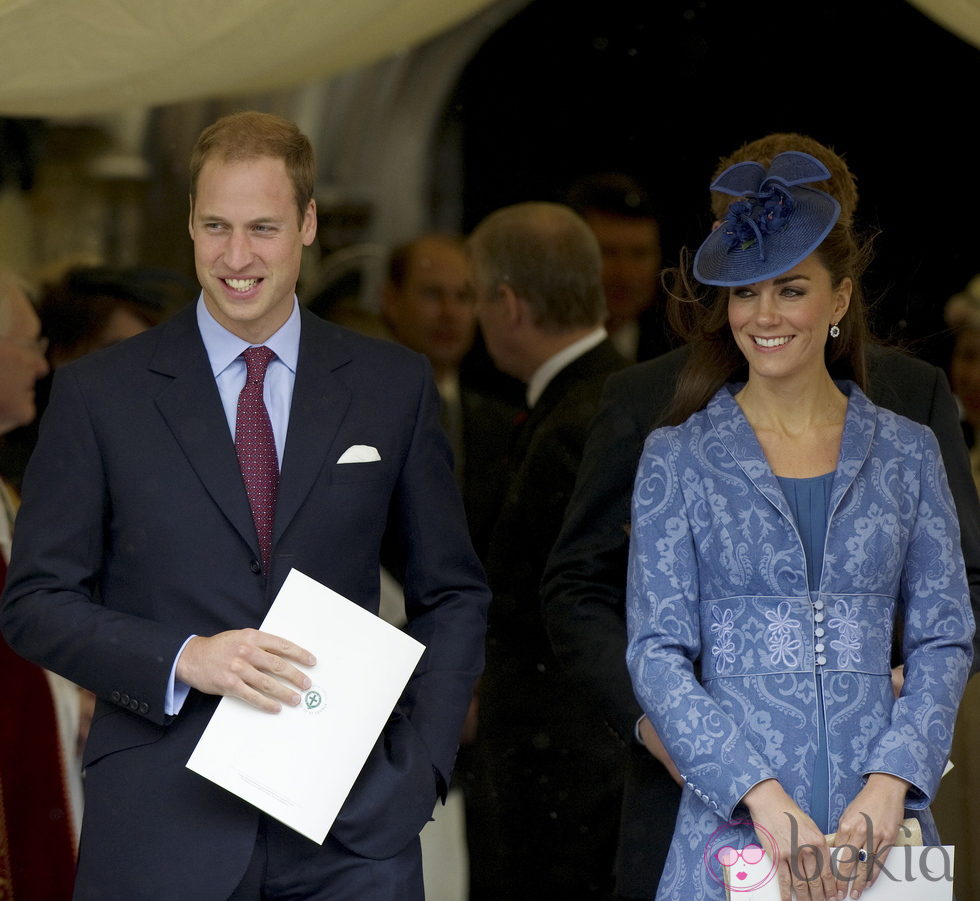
<point x="246" y="664"/>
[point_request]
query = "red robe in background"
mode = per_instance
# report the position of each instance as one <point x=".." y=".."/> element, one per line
<point x="37" y="852"/>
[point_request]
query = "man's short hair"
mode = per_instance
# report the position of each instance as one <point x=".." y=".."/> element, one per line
<point x="251" y="135"/>
<point x="549" y="257"/>
<point x="400" y="259"/>
<point x="612" y="193"/>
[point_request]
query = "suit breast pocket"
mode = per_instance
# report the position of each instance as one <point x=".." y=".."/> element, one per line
<point x="344" y="473"/>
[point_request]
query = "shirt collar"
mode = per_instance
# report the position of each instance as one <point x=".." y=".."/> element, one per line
<point x="553" y="365"/>
<point x="224" y="348"/>
<point x="448" y="387"/>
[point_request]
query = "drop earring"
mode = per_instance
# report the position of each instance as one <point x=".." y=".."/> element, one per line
<point x="834" y="330"/>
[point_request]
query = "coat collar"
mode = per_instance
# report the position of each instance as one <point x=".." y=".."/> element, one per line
<point x="602" y="359"/>
<point x="734" y="431"/>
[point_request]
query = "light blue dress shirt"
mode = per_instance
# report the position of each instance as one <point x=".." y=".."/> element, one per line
<point x="225" y="355"/>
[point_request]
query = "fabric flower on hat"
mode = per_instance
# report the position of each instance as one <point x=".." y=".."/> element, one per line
<point x="767" y="213"/>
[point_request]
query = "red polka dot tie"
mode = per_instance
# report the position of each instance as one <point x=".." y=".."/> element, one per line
<point x="256" y="448"/>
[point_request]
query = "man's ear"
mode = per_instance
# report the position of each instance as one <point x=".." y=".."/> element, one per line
<point x="308" y="227"/>
<point x="515" y="307"/>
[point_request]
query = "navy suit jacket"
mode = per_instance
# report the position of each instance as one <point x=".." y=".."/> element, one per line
<point x="135" y="532"/>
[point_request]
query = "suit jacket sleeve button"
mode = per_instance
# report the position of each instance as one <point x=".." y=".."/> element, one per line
<point x="144" y="708"/>
<point x="116" y="697"/>
<point x="124" y="700"/>
<point x="255" y="566"/>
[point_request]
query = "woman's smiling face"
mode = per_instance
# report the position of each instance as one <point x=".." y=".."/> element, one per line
<point x="781" y="324"/>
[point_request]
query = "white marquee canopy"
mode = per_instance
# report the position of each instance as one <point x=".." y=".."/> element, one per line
<point x="67" y="58"/>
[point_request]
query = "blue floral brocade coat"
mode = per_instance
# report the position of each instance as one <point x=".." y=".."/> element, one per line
<point x="717" y="575"/>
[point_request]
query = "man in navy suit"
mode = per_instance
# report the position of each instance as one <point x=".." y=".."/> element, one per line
<point x="140" y="572"/>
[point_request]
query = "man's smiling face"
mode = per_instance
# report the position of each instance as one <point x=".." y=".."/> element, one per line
<point x="248" y="244"/>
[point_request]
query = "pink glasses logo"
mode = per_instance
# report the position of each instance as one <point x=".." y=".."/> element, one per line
<point x="733" y="863"/>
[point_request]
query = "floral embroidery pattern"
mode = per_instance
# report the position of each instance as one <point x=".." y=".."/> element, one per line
<point x="779" y="635"/>
<point x="723" y="650"/>
<point x="848" y="645"/>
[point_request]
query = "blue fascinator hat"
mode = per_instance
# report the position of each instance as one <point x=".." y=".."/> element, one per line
<point x="778" y="222"/>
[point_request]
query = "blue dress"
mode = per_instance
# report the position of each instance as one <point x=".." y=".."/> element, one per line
<point x="809" y="502"/>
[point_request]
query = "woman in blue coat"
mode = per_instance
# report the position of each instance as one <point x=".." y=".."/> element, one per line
<point x="778" y="529"/>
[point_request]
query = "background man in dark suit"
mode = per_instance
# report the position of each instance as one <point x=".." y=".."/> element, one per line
<point x="429" y="305"/>
<point x="584" y="584"/>
<point x="540" y="304"/>
<point x="147" y="553"/>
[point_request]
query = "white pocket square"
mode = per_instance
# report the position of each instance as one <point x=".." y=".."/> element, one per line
<point x="360" y="453"/>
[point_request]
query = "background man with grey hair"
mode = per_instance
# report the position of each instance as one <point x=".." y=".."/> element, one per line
<point x="537" y="269"/>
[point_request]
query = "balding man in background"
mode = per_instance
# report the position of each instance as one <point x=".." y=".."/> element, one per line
<point x="537" y="270"/>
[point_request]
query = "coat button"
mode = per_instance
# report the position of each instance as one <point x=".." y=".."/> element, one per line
<point x="818" y="632"/>
<point x="255" y="566"/>
<point x="818" y="617"/>
<point x="124" y="700"/>
<point x="818" y="648"/>
<point x="144" y="707"/>
<point x="821" y="661"/>
<point x="134" y="704"/>
<point x="116" y="696"/>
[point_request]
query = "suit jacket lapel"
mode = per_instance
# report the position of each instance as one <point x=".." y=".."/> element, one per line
<point x="190" y="404"/>
<point x="320" y="402"/>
